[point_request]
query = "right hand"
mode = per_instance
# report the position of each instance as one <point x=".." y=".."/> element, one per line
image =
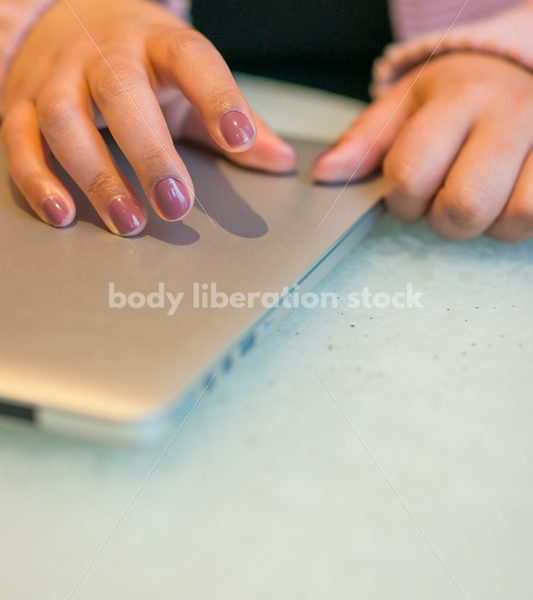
<point x="115" y="56"/>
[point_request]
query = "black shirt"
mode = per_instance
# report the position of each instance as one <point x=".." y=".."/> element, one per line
<point x="324" y="43"/>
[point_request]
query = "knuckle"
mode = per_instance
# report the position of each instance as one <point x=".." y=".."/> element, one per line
<point x="101" y="182"/>
<point x="522" y="104"/>
<point x="466" y="208"/>
<point x="466" y="87"/>
<point x="465" y="91"/>
<point x="186" y="43"/>
<point x="154" y="157"/>
<point x="54" y="110"/>
<point x="116" y="79"/>
<point x="401" y="174"/>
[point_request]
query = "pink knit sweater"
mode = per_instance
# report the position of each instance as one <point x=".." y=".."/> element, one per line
<point x="423" y="28"/>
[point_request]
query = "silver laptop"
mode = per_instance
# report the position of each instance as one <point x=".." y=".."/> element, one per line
<point x="118" y="338"/>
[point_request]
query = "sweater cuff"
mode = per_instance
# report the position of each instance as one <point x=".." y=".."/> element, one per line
<point x="507" y="34"/>
<point x="179" y="7"/>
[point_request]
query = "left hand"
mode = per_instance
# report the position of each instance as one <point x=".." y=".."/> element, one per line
<point x="458" y="149"/>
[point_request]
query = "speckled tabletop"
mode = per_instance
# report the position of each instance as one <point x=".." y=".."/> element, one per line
<point x="356" y="453"/>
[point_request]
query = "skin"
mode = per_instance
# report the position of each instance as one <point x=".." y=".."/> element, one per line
<point x="454" y="141"/>
<point x="458" y="149"/>
<point x="59" y="87"/>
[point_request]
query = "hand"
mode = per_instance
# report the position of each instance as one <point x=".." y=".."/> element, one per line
<point x="112" y="62"/>
<point x="457" y="149"/>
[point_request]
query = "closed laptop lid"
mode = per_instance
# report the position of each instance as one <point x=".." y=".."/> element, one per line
<point x="67" y="343"/>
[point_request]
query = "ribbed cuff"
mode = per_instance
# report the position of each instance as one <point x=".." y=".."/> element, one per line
<point x="507" y="34"/>
<point x="179" y="7"/>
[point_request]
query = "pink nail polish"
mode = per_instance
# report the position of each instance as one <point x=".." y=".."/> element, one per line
<point x="172" y="198"/>
<point x="236" y="129"/>
<point x="125" y="214"/>
<point x="55" y="211"/>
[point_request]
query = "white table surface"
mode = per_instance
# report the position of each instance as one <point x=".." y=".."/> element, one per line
<point x="268" y="491"/>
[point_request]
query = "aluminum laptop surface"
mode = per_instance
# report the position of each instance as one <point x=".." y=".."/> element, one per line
<point x="70" y="357"/>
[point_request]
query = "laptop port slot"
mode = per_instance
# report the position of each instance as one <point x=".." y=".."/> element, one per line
<point x="17" y="411"/>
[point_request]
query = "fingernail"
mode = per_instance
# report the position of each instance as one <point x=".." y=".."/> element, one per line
<point x="236" y="128"/>
<point x="172" y="198"/>
<point x="55" y="210"/>
<point x="125" y="214"/>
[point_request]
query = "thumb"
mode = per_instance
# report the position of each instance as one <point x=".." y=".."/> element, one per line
<point x="363" y="146"/>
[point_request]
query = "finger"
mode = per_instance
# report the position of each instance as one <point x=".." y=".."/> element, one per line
<point x="78" y="146"/>
<point x="480" y="182"/>
<point x="269" y="153"/>
<point x="121" y="89"/>
<point x="30" y="168"/>
<point x="184" y="57"/>
<point x="515" y="223"/>
<point x="362" y="148"/>
<point x="421" y="156"/>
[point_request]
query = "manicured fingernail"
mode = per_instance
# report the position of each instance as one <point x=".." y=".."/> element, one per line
<point x="172" y="199"/>
<point x="55" y="210"/>
<point x="125" y="214"/>
<point x="236" y="129"/>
